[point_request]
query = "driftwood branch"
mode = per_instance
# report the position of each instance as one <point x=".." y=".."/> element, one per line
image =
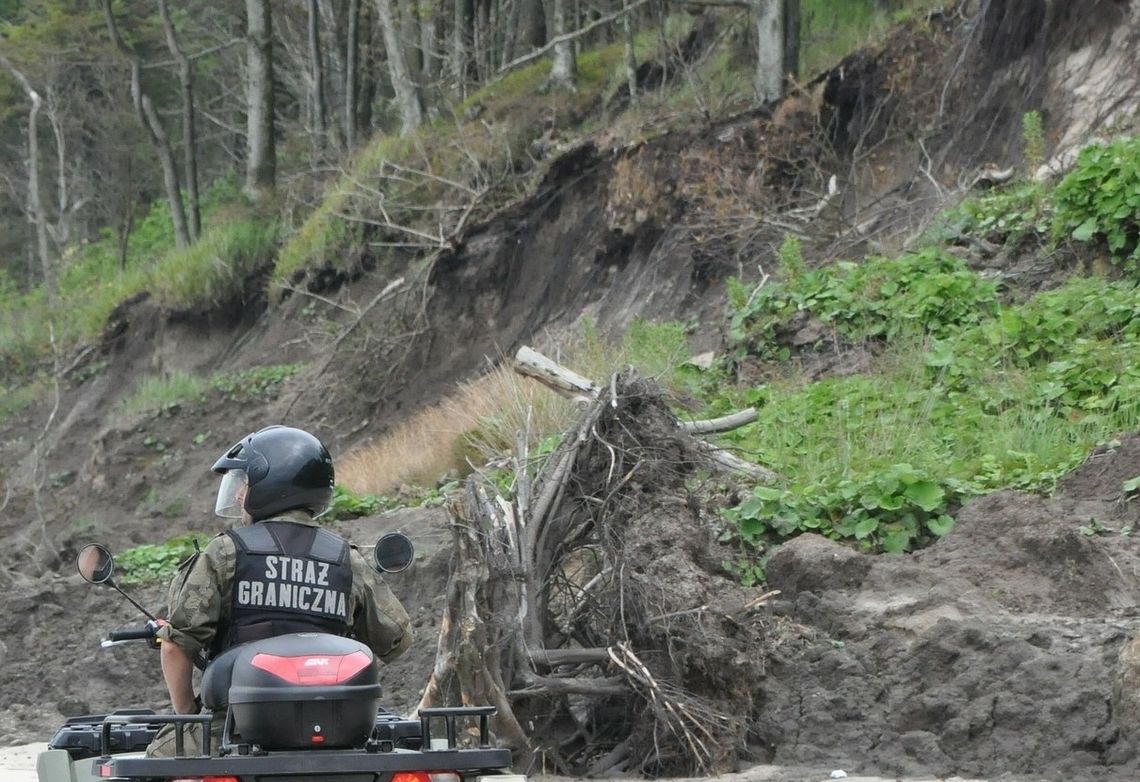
<point x="734" y="463"/>
<point x="570" y="384"/>
<point x="725" y="423"/>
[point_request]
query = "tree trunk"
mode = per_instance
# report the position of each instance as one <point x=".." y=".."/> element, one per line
<point x="407" y="94"/>
<point x="61" y="234"/>
<point x="367" y="64"/>
<point x="460" y="36"/>
<point x="261" y="150"/>
<point x="317" y="74"/>
<point x="564" y="71"/>
<point x="152" y="124"/>
<point x="532" y="25"/>
<point x="189" y="131"/>
<point x="791" y="39"/>
<point x="35" y="200"/>
<point x="630" y="55"/>
<point x="768" y="21"/>
<point x="351" y="63"/>
<point x="428" y="43"/>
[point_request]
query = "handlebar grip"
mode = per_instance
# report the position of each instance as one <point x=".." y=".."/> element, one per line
<point x="141" y="634"/>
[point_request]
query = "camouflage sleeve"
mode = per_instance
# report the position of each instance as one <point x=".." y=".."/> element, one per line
<point x="198" y="597"/>
<point x="378" y="619"/>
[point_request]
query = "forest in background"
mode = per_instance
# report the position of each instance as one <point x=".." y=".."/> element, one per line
<point x="140" y="102"/>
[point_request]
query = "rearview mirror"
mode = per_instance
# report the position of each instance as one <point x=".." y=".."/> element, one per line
<point x="394" y="552"/>
<point x="95" y="563"/>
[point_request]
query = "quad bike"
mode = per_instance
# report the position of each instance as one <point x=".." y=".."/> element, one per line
<point x="298" y="708"/>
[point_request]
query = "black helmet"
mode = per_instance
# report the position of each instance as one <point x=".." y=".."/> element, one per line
<point x="279" y="469"/>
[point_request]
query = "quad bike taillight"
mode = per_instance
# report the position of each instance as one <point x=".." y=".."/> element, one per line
<point x="424" y="776"/>
<point x="313" y="670"/>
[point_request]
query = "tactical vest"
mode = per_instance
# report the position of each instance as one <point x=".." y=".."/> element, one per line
<point x="289" y="578"/>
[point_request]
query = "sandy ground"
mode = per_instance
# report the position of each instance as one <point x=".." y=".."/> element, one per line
<point x="18" y="764"/>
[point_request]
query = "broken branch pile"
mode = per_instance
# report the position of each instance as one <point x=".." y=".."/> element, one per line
<point x="590" y="606"/>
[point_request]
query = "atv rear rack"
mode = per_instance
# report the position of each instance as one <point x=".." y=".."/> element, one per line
<point x="380" y="759"/>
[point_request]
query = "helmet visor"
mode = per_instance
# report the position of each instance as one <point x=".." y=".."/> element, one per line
<point x="231" y="494"/>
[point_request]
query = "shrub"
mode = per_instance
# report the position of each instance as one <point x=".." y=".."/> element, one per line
<point x="928" y="292"/>
<point x="1100" y="200"/>
<point x="155" y="563"/>
<point x="163" y="395"/>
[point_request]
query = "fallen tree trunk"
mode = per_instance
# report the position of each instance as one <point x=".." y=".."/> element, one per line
<point x="570" y="602"/>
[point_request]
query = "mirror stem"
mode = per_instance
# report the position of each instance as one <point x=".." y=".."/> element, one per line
<point x="133" y="602"/>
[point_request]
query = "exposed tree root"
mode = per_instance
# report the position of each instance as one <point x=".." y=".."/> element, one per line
<point x="570" y="606"/>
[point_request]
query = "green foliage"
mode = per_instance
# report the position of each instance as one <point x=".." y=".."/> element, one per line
<point x="1033" y="136"/>
<point x="656" y="349"/>
<point x="154" y="563"/>
<point x="928" y="292"/>
<point x="791" y="257"/>
<point x="1100" y="200"/>
<point x="347" y="504"/>
<point x="891" y="509"/>
<point x="163" y="395"/>
<point x="167" y="394"/>
<point x="213" y="271"/>
<point x="254" y="383"/>
<point x="92" y="284"/>
<point x="14" y="399"/>
<point x="1016" y="399"/>
<point x="1007" y="216"/>
<point x="830" y="30"/>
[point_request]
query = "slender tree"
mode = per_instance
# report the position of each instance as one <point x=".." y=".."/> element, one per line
<point x="189" y="131"/>
<point x="564" y="70"/>
<point x="261" y="138"/>
<point x="629" y="55"/>
<point x="317" y="74"/>
<point x="407" y="93"/>
<point x="152" y="124"/>
<point x="35" y="200"/>
<point x="768" y="22"/>
<point x="461" y="36"/>
<point x="351" y="64"/>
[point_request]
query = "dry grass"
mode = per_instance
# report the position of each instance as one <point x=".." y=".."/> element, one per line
<point x="482" y="419"/>
<point x="478" y="421"/>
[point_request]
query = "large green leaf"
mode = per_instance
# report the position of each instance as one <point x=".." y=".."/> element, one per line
<point x="925" y="494"/>
<point x="1086" y="230"/>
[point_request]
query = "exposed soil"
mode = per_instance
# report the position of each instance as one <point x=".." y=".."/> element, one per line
<point x="1002" y="651"/>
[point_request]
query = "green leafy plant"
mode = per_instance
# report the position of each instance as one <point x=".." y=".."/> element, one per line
<point x="892" y="509"/>
<point x="791" y="257"/>
<point x="167" y="394"/>
<point x="1006" y="216"/>
<point x="1100" y="200"/>
<point x="347" y="504"/>
<point x="255" y="382"/>
<point x="153" y="563"/>
<point x="1033" y="137"/>
<point x="927" y="292"/>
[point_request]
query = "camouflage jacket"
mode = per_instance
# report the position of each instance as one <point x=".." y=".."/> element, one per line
<point x="201" y="599"/>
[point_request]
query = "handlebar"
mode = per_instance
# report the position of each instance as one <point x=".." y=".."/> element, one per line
<point x="144" y="633"/>
<point x="141" y="634"/>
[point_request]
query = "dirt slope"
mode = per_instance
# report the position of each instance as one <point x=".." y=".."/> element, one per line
<point x="997" y="651"/>
<point x="997" y="648"/>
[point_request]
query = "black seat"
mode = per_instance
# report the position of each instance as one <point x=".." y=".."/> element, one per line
<point x="216" y="680"/>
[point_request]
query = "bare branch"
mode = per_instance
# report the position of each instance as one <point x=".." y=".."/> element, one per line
<point x="723" y="424"/>
<point x="560" y="39"/>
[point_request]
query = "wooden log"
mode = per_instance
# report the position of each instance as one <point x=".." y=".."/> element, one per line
<point x="556" y="657"/>
<point x="600" y="687"/>
<point x="725" y="423"/>
<point x="570" y="384"/>
<point x="734" y="463"/>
